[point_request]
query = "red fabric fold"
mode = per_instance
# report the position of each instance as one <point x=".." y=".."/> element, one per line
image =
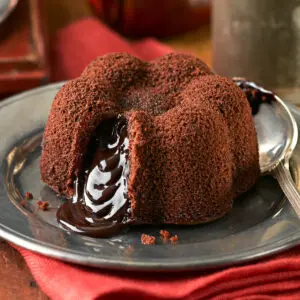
<point x="79" y="43"/>
<point x="275" y="278"/>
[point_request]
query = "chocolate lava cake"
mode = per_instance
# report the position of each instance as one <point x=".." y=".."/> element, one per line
<point x="134" y="142"/>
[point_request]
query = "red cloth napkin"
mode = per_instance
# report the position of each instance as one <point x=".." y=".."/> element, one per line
<point x="78" y="44"/>
<point x="275" y="278"/>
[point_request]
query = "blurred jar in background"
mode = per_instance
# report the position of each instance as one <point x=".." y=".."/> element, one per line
<point x="160" y="18"/>
<point x="259" y="40"/>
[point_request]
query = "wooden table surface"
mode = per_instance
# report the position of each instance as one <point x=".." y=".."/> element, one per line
<point x="16" y="280"/>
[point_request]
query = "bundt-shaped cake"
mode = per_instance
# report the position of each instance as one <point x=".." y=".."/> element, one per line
<point x="165" y="141"/>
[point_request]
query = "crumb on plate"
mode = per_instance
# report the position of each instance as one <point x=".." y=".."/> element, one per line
<point x="147" y="239"/>
<point x="28" y="196"/>
<point x="164" y="234"/>
<point x="23" y="202"/>
<point x="174" y="239"/>
<point x="129" y="250"/>
<point x="43" y="205"/>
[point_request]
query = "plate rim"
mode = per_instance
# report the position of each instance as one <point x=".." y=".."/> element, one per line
<point x="56" y="252"/>
<point x="229" y="260"/>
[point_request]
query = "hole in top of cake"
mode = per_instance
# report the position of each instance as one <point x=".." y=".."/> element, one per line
<point x="146" y="99"/>
<point x="100" y="206"/>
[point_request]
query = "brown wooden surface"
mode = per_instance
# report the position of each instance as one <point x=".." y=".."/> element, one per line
<point x="16" y="280"/>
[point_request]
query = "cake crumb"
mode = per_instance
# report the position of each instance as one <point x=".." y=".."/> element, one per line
<point x="147" y="239"/>
<point x="28" y="196"/>
<point x="43" y="205"/>
<point x="129" y="250"/>
<point x="174" y="239"/>
<point x="164" y="234"/>
<point x="23" y="202"/>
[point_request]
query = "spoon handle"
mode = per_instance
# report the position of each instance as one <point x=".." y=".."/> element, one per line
<point x="285" y="180"/>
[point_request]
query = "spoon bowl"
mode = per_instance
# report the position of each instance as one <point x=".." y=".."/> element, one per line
<point x="277" y="134"/>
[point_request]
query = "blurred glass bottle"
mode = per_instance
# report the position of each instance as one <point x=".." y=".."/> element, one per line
<point x="158" y="18"/>
<point x="259" y="40"/>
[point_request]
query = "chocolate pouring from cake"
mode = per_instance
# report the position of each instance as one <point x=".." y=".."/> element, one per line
<point x="160" y="142"/>
<point x="100" y="205"/>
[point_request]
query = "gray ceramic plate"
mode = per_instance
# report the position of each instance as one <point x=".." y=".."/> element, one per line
<point x="261" y="222"/>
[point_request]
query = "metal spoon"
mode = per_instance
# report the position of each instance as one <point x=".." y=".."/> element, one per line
<point x="277" y="134"/>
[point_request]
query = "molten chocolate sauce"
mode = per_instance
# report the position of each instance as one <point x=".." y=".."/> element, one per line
<point x="100" y="206"/>
<point x="255" y="94"/>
